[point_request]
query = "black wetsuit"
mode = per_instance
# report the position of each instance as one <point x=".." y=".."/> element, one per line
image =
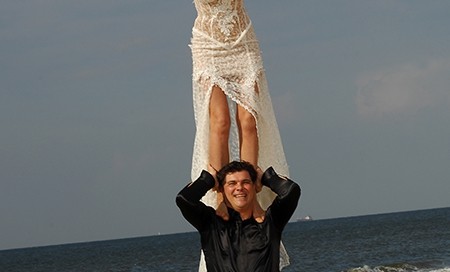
<point x="240" y="245"/>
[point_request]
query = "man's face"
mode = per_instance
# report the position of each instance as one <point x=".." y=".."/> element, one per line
<point x="239" y="190"/>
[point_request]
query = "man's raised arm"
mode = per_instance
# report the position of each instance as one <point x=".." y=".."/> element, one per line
<point x="188" y="199"/>
<point x="288" y="193"/>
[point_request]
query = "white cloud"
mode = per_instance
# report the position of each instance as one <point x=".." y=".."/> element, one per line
<point x="404" y="89"/>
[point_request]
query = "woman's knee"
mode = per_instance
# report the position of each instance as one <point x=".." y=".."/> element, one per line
<point x="220" y="121"/>
<point x="219" y="113"/>
<point x="247" y="122"/>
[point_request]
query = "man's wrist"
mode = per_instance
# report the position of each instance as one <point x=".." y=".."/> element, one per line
<point x="208" y="178"/>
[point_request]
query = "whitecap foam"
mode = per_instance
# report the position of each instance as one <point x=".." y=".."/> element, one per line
<point x="404" y="267"/>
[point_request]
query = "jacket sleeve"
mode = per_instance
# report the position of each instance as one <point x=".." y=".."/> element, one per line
<point x="188" y="200"/>
<point x="288" y="194"/>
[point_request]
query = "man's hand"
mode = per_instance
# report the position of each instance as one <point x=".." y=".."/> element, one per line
<point x="258" y="184"/>
<point x="213" y="172"/>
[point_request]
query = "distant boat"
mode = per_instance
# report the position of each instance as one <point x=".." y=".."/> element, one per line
<point x="306" y="218"/>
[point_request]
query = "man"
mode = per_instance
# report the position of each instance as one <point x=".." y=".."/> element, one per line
<point x="240" y="244"/>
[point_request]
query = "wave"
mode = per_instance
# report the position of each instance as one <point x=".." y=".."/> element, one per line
<point x="400" y="267"/>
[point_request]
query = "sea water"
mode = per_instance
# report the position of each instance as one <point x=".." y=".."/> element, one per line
<point x="406" y="241"/>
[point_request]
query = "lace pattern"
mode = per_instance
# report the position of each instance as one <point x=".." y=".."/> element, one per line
<point x="226" y="53"/>
<point x="223" y="20"/>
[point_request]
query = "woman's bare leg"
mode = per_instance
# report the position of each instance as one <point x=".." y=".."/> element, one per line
<point x="248" y="136"/>
<point x="219" y="131"/>
<point x="249" y="148"/>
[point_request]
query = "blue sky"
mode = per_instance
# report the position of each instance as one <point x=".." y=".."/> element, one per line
<point x="97" y="124"/>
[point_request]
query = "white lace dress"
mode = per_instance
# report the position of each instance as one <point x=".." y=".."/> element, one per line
<point x="225" y="52"/>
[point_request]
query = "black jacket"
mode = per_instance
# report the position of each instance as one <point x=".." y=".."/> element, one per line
<point x="236" y="245"/>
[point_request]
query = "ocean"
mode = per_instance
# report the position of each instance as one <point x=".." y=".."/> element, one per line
<point x="404" y="241"/>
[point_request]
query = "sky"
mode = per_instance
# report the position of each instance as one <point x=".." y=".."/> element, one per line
<point x="97" y="123"/>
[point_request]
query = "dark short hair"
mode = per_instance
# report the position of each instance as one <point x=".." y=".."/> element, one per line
<point x="233" y="167"/>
